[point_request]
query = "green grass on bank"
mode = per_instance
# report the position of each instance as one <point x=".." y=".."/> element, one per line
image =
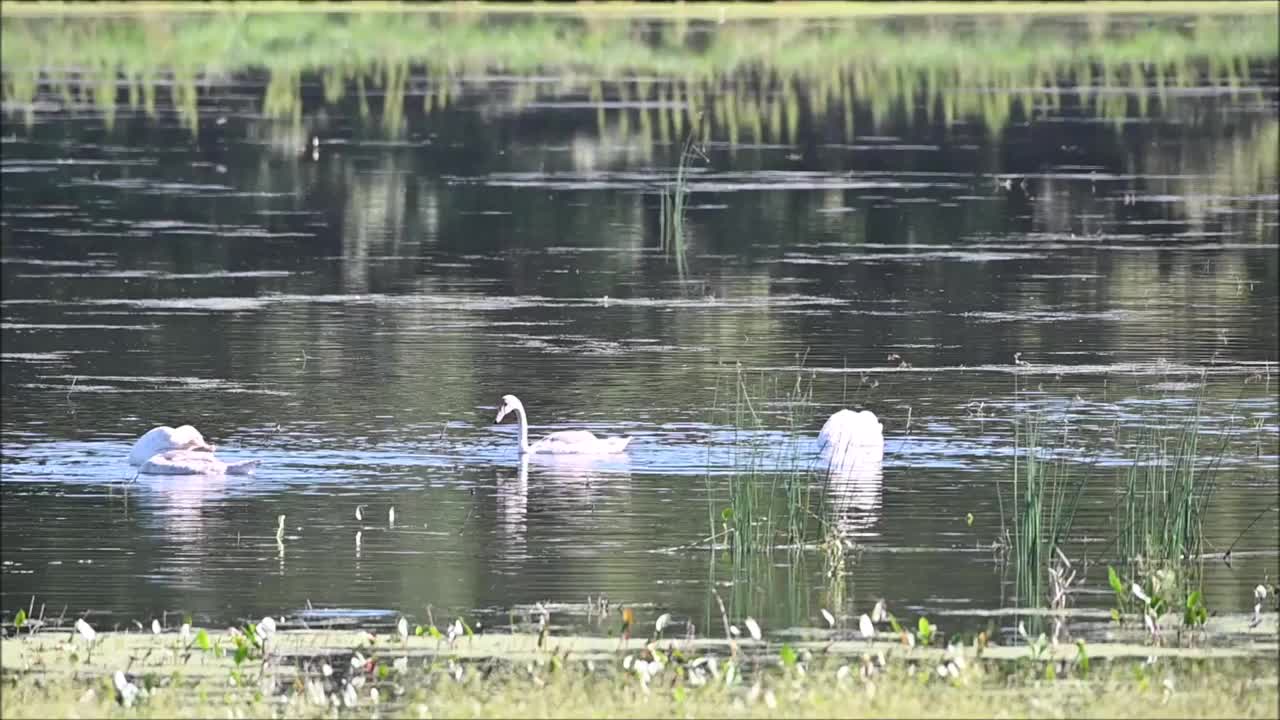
<point x="311" y="674"/>
<point x="1152" y="694"/>
<point x="660" y="10"/>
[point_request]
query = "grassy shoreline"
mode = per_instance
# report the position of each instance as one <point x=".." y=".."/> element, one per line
<point x="314" y="673"/>
<point x="713" y="11"/>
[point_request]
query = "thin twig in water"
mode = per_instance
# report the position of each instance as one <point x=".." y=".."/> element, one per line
<point x="693" y="544"/>
<point x="465" y="519"/>
<point x="1226" y="557"/>
<point x="724" y="616"/>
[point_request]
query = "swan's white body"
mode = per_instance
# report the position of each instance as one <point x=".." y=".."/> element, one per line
<point x="564" y="442"/>
<point x="848" y="435"/>
<point x="181" y="451"/>
<point x="194" y="462"/>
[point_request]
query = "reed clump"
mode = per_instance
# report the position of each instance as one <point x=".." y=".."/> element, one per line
<point x="1166" y="491"/>
<point x="1163" y="494"/>
<point x="1044" y="494"/>
<point x="775" y="490"/>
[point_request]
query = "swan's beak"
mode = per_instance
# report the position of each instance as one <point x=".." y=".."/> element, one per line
<point x="501" y="414"/>
<point x="205" y="447"/>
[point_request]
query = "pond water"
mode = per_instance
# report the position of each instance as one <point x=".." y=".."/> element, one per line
<point x="345" y="288"/>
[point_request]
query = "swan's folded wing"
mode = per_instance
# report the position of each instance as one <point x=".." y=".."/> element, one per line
<point x="579" y="442"/>
<point x="182" y="462"/>
<point x="194" y="462"/>
<point x="566" y="441"/>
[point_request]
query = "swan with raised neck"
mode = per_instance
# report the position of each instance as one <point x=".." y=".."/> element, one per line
<point x="564" y="442"/>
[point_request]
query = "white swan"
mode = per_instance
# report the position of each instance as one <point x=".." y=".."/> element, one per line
<point x="181" y="451"/>
<point x="851" y="451"/>
<point x="847" y="435"/>
<point x="164" y="438"/>
<point x="565" y="442"/>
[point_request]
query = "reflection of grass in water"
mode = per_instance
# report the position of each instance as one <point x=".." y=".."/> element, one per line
<point x="765" y="78"/>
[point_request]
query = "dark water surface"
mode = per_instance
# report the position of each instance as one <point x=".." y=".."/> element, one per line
<point x="349" y="310"/>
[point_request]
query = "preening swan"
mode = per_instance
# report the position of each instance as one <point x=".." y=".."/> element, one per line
<point x="848" y="435"/>
<point x="181" y="451"/>
<point x="565" y="442"/>
<point x="164" y="438"/>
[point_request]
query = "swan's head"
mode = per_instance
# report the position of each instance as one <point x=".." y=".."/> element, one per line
<point x="510" y="403"/>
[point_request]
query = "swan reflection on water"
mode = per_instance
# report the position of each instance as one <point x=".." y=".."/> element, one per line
<point x="181" y="510"/>
<point x="855" y="490"/>
<point x="565" y="487"/>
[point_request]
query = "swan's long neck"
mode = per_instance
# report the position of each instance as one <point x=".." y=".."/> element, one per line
<point x="524" y="429"/>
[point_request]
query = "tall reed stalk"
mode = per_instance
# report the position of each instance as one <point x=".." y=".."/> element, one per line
<point x="673" y="201"/>
<point x="1044" y="497"/>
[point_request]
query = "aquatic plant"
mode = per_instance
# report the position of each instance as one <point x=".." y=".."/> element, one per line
<point x="783" y="506"/>
<point x="1044" y="494"/>
<point x="1167" y="488"/>
<point x="674" y="198"/>
<point x="1165" y="495"/>
<point x="748" y="519"/>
